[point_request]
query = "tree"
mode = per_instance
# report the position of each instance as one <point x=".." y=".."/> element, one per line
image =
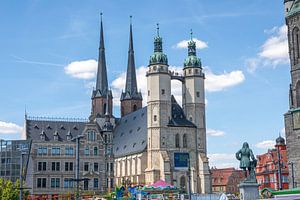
<point x="10" y="191"/>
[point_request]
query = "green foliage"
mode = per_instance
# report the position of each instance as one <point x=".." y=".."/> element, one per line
<point x="10" y="191"/>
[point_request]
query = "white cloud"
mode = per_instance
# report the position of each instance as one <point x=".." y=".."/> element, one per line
<point x="84" y="69"/>
<point x="215" y="133"/>
<point x="219" y="82"/>
<point x="273" y="52"/>
<point x="184" y="44"/>
<point x="267" y="144"/>
<point x="10" y="128"/>
<point x="221" y="160"/>
<point x="213" y="82"/>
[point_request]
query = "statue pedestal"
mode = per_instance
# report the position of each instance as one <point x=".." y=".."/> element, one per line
<point x="248" y="190"/>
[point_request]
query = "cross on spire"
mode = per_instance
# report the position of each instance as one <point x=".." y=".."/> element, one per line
<point x="157" y="29"/>
<point x="191" y="34"/>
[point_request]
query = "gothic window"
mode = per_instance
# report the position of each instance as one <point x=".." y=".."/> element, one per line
<point x="134" y="107"/>
<point x="198" y="94"/>
<point x="184" y="141"/>
<point x="298" y="93"/>
<point x="155" y="118"/>
<point x="296" y="44"/>
<point x="163" y="91"/>
<point x="104" y="108"/>
<point x="122" y="110"/>
<point x="177" y="140"/>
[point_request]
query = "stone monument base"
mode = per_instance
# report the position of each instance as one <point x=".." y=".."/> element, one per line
<point x="248" y="190"/>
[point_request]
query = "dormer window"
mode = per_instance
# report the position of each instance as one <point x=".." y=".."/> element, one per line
<point x="75" y="127"/>
<point x="69" y="136"/>
<point x="42" y="136"/>
<point x="36" y="126"/>
<point x="48" y="127"/>
<point x="62" y="127"/>
<point x="55" y="136"/>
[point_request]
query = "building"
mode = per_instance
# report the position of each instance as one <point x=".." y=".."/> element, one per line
<point x="10" y="156"/>
<point x="160" y="141"/>
<point x="292" y="117"/>
<point x="267" y="169"/>
<point x="226" y="180"/>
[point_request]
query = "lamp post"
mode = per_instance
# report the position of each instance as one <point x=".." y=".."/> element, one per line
<point x="77" y="180"/>
<point x="293" y="177"/>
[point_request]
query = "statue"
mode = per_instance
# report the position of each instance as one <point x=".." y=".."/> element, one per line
<point x="244" y="155"/>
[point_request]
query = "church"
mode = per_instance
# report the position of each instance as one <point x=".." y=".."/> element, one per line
<point x="161" y="141"/>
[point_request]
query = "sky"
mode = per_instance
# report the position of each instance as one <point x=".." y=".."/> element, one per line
<point x="49" y="51"/>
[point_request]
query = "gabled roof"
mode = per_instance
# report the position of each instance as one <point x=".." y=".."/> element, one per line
<point x="178" y="116"/>
<point x="34" y="128"/>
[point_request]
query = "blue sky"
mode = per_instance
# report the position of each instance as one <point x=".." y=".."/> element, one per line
<point x="49" y="49"/>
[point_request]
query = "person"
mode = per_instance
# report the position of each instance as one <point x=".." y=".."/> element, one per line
<point x="244" y="155"/>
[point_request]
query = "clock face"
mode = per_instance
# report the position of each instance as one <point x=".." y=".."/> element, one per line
<point x="296" y="120"/>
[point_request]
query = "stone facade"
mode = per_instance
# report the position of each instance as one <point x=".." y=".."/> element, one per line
<point x="292" y="117"/>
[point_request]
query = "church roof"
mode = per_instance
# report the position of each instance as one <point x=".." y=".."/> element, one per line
<point x="130" y="134"/>
<point x="48" y="127"/>
<point x="178" y="117"/>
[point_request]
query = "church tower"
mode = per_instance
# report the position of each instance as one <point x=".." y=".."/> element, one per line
<point x="193" y="103"/>
<point x="158" y="109"/>
<point x="99" y="100"/>
<point x="292" y="117"/>
<point x="131" y="99"/>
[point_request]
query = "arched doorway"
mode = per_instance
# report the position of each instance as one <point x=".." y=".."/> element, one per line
<point x="182" y="184"/>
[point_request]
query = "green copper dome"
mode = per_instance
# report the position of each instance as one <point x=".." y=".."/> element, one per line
<point x="192" y="60"/>
<point x="295" y="8"/>
<point x="158" y="57"/>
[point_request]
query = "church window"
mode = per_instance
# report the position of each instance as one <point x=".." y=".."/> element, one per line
<point x="296" y="44"/>
<point x="198" y="94"/>
<point x="104" y="108"/>
<point x="155" y="118"/>
<point x="163" y="91"/>
<point x="122" y="110"/>
<point x="134" y="107"/>
<point x="95" y="151"/>
<point x="177" y="141"/>
<point x="196" y="71"/>
<point x="184" y="141"/>
<point x="298" y="93"/>
<point x="190" y="71"/>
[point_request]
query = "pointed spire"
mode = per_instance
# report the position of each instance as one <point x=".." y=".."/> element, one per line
<point x="101" y="83"/>
<point x="157" y="40"/>
<point x="191" y="34"/>
<point x="131" y="85"/>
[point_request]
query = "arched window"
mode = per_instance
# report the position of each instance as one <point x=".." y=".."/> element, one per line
<point x="182" y="183"/>
<point x="184" y="139"/>
<point x="177" y="140"/>
<point x="296" y="44"/>
<point x="95" y="151"/>
<point x="298" y="94"/>
<point x="104" y="108"/>
<point x="134" y="107"/>
<point x="122" y="110"/>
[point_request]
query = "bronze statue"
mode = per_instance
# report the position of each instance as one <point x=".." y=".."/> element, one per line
<point x="244" y="155"/>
